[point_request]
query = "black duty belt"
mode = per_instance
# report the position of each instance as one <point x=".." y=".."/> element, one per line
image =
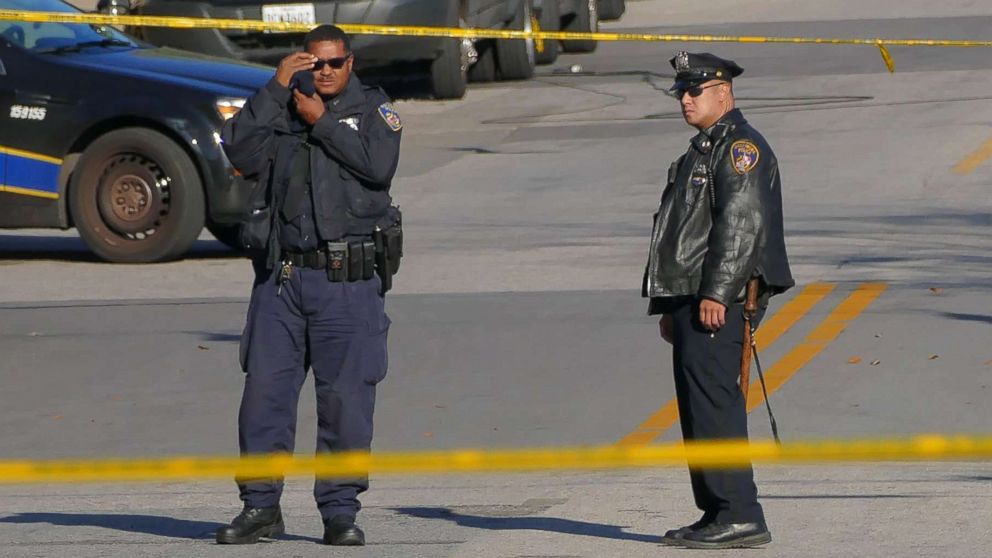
<point x="353" y="260"/>
<point x="316" y="259"/>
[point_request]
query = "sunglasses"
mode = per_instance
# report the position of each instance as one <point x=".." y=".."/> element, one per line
<point x="334" y="63"/>
<point x="695" y="90"/>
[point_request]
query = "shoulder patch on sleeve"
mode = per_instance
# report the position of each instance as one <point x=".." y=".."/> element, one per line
<point x="745" y="155"/>
<point x="392" y="118"/>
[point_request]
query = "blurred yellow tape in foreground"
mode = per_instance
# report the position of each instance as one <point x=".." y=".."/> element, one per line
<point x="709" y="454"/>
<point x="454" y="32"/>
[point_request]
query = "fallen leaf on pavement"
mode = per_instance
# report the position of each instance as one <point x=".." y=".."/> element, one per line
<point x="202" y="348"/>
<point x="854" y="360"/>
<point x="936" y="290"/>
<point x="934" y="357"/>
<point x="876" y="362"/>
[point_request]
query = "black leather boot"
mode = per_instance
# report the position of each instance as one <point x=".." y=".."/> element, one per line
<point x="251" y="525"/>
<point x="674" y="537"/>
<point x="341" y="530"/>
<point x="728" y="535"/>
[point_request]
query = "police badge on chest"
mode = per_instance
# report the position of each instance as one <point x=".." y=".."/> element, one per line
<point x="699" y="176"/>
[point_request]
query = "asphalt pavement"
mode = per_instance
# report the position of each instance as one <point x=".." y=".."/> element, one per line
<point x="517" y="320"/>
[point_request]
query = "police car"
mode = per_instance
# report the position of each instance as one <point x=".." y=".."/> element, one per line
<point x="115" y="137"/>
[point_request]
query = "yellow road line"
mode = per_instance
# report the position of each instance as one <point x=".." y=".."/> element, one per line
<point x="29" y="192"/>
<point x="974" y="159"/>
<point x="714" y="453"/>
<point x="818" y="339"/>
<point x="767" y="334"/>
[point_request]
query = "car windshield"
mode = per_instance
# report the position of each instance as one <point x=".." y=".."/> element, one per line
<point x="57" y="37"/>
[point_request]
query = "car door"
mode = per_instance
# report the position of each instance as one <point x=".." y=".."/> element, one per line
<point x="33" y="135"/>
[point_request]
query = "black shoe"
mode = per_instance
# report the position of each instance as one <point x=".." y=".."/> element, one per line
<point x="251" y="525"/>
<point x="728" y="535"/>
<point x="341" y="530"/>
<point x="675" y="536"/>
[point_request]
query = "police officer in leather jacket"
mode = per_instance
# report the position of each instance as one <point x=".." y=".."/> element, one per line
<point x="719" y="224"/>
<point x="323" y="149"/>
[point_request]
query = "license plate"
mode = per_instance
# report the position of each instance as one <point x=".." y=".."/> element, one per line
<point x="290" y="13"/>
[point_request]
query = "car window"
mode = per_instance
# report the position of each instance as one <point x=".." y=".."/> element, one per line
<point x="43" y="36"/>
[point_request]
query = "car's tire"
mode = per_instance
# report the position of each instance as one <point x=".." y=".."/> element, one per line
<point x="484" y="69"/>
<point x="227" y="233"/>
<point x="515" y="57"/>
<point x="611" y="9"/>
<point x="586" y="20"/>
<point x="135" y="196"/>
<point x="449" y="72"/>
<point x="550" y="20"/>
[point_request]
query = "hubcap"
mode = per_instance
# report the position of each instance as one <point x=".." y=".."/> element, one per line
<point x="469" y="55"/>
<point x="130" y="198"/>
<point x="133" y="196"/>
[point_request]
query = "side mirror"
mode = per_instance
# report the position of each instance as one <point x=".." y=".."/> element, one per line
<point x="114" y="7"/>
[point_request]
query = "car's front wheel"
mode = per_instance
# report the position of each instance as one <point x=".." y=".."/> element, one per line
<point x="135" y="196"/>
<point x="546" y="51"/>
<point x="515" y="57"/>
<point x="586" y="20"/>
<point x="611" y="9"/>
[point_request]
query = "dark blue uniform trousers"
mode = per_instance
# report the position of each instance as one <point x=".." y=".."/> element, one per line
<point x="337" y="329"/>
<point x="711" y="406"/>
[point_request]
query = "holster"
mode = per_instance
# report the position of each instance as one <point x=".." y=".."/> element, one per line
<point x="388" y="241"/>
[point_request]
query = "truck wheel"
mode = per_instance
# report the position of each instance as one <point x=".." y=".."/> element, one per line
<point x="449" y="72"/>
<point x="586" y="20"/>
<point x="515" y="57"/>
<point x="136" y="197"/>
<point x="484" y="69"/>
<point x="546" y="52"/>
<point x="611" y="9"/>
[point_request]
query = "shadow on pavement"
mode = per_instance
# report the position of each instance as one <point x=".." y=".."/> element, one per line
<point x="550" y="524"/>
<point x="72" y="249"/>
<point x="146" y="524"/>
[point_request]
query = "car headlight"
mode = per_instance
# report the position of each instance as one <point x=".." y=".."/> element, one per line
<point x="228" y="107"/>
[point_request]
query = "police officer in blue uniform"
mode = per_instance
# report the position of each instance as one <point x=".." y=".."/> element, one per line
<point x="323" y="149"/>
<point x="719" y="227"/>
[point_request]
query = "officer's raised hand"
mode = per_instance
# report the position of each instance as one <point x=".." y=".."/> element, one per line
<point x="712" y="314"/>
<point x="296" y="62"/>
<point x="310" y="108"/>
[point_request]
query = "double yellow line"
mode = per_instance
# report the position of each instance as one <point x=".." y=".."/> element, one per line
<point x="780" y="373"/>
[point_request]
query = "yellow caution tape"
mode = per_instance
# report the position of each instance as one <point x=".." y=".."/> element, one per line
<point x="452" y="32"/>
<point x="713" y="454"/>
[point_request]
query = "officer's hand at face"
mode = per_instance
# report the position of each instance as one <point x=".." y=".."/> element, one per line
<point x="667" y="328"/>
<point x="296" y="62"/>
<point x="309" y="108"/>
<point x="712" y="314"/>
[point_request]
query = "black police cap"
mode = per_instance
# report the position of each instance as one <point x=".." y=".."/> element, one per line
<point x="695" y="68"/>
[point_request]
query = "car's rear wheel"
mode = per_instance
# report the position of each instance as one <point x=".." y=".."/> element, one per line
<point x="449" y="72"/>
<point x="611" y="9"/>
<point x="484" y="69"/>
<point x="135" y="196"/>
<point x="516" y="56"/>
<point x="546" y="51"/>
<point x="586" y="20"/>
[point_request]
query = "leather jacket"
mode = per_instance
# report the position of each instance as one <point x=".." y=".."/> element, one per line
<point x="720" y="219"/>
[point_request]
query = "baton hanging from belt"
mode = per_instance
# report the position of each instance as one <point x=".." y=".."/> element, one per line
<point x="751" y="351"/>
